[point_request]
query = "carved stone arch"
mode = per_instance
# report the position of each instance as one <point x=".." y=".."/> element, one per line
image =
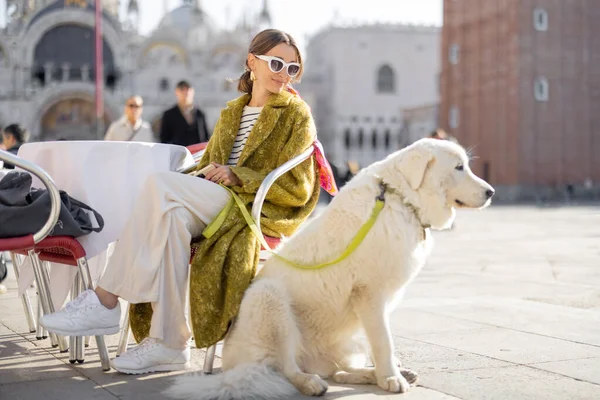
<point x="81" y="110"/>
<point x="176" y="48"/>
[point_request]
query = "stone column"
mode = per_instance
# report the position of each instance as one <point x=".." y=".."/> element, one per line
<point x="85" y="73"/>
<point x="66" y="72"/>
<point x="48" y="67"/>
<point x="18" y="86"/>
<point x="27" y="76"/>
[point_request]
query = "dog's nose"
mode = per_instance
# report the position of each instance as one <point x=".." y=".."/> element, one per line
<point x="489" y="193"/>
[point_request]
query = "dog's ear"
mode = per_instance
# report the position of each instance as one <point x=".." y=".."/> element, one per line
<point x="413" y="165"/>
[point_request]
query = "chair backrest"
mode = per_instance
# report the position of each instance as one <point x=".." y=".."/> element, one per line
<point x="270" y="179"/>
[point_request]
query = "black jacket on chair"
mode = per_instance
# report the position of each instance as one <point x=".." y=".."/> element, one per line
<point x="24" y="210"/>
<point x="174" y="128"/>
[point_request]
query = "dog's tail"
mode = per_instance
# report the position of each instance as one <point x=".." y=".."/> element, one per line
<point x="243" y="382"/>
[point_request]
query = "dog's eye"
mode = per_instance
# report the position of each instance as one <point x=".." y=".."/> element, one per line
<point x="459" y="167"/>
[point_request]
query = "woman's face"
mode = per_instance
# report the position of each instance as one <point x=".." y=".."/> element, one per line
<point x="273" y="82"/>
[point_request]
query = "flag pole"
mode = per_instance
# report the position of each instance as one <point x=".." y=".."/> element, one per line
<point x="99" y="73"/>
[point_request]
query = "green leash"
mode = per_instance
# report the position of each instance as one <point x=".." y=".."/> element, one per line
<point x="356" y="241"/>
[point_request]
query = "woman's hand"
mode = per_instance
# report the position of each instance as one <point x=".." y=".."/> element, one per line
<point x="223" y="174"/>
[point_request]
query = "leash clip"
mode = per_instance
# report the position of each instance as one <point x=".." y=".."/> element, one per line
<point x="383" y="187"/>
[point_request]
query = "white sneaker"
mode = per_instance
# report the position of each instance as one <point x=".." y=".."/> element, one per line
<point x="84" y="316"/>
<point x="151" y="356"/>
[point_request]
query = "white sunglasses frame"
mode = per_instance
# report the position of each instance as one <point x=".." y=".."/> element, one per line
<point x="286" y="65"/>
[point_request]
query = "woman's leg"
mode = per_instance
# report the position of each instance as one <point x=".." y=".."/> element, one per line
<point x="150" y="260"/>
<point x="169" y="322"/>
<point x="167" y="349"/>
<point x="108" y="299"/>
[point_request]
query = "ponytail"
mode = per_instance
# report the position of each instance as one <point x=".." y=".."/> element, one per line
<point x="245" y="83"/>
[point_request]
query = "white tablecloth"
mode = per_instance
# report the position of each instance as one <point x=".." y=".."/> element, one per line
<point x="107" y="176"/>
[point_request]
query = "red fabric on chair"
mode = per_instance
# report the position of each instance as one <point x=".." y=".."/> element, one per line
<point x="273" y="242"/>
<point x="59" y="249"/>
<point x="71" y="245"/>
<point x="194" y="148"/>
<point x="18" y="243"/>
<point x="54" y="257"/>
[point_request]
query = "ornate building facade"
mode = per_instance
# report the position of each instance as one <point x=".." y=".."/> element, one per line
<point x="359" y="79"/>
<point x="47" y="63"/>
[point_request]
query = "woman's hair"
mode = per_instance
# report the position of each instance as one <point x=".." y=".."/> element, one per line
<point x="262" y="44"/>
<point x="21" y="134"/>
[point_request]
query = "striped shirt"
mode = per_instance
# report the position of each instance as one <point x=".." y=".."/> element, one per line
<point x="249" y="117"/>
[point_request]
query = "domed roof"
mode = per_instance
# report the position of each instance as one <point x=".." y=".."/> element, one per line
<point x="196" y="25"/>
<point x="187" y="17"/>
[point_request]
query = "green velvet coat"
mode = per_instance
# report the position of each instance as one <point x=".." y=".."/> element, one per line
<point x="225" y="264"/>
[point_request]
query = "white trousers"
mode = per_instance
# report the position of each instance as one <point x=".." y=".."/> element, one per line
<point x="150" y="262"/>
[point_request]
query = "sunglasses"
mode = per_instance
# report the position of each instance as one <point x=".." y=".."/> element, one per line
<point x="276" y="65"/>
<point x="134" y="105"/>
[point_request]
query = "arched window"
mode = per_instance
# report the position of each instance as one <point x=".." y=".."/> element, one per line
<point x="361" y="138"/>
<point x="454" y="53"/>
<point x="540" y="19"/>
<point x="347" y="138"/>
<point x="453" y="117"/>
<point x="164" y="84"/>
<point x="387" y="138"/>
<point x="374" y="139"/>
<point x="386" y="80"/>
<point x="55" y="49"/>
<point x="541" y="89"/>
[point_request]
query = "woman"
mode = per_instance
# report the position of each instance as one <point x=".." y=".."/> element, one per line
<point x="13" y="136"/>
<point x="255" y="134"/>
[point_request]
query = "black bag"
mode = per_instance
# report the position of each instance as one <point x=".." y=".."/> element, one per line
<point x="23" y="211"/>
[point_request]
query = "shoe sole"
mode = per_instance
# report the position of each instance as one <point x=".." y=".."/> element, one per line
<point x="90" y="332"/>
<point x="154" y="368"/>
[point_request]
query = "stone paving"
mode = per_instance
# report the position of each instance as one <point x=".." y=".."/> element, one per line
<point x="507" y="308"/>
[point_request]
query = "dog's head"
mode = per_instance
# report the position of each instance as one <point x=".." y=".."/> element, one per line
<point x="438" y="175"/>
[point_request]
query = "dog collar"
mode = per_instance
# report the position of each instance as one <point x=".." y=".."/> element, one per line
<point x="385" y="187"/>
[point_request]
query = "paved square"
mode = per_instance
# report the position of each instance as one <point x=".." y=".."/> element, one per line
<point x="508" y="307"/>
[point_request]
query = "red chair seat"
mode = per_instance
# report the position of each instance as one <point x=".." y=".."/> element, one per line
<point x="194" y="148"/>
<point x="17" y="243"/>
<point x="59" y="249"/>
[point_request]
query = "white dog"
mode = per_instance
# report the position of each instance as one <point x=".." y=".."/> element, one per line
<point x="296" y="327"/>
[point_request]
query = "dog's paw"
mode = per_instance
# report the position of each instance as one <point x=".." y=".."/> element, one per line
<point x="357" y="377"/>
<point x="394" y="384"/>
<point x="341" y="377"/>
<point x="411" y="376"/>
<point x="312" y="385"/>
